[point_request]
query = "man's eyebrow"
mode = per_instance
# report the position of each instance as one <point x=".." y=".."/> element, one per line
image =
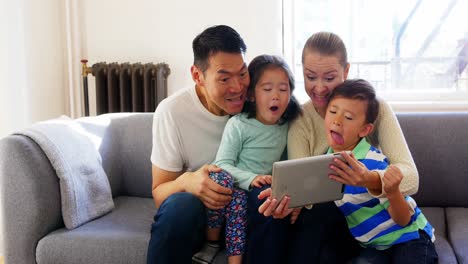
<point x="222" y="71"/>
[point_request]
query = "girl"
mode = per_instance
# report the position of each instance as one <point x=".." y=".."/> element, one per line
<point x="251" y="142"/>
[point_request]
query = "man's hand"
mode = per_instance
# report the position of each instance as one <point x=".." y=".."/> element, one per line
<point x="213" y="195"/>
<point x="261" y="180"/>
<point x="392" y="179"/>
<point x="271" y="206"/>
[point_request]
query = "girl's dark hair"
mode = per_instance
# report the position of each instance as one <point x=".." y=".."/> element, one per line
<point x="215" y="39"/>
<point x="361" y="90"/>
<point x="326" y="43"/>
<point x="256" y="69"/>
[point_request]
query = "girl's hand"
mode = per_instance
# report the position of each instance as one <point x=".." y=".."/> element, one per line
<point x="272" y="207"/>
<point x="392" y="179"/>
<point x="261" y="180"/>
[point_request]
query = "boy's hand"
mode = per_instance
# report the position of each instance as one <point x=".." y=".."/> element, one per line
<point x="261" y="180"/>
<point x="392" y="178"/>
<point x="295" y="214"/>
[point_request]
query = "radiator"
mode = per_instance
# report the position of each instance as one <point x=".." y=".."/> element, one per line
<point x="125" y="87"/>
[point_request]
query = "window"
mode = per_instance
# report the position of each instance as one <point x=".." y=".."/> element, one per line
<point x="414" y="52"/>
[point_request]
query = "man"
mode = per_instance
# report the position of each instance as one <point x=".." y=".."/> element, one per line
<point x="187" y="130"/>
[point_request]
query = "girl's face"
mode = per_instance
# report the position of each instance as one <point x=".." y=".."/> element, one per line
<point x="272" y="94"/>
<point x="345" y="122"/>
<point x="322" y="73"/>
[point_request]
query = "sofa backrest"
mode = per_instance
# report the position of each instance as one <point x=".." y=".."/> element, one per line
<point x="125" y="150"/>
<point x="439" y="145"/>
<point x="437" y="142"/>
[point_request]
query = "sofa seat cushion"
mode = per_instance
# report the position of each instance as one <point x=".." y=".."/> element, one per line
<point x="436" y="216"/>
<point x="457" y="222"/>
<point x="119" y="237"/>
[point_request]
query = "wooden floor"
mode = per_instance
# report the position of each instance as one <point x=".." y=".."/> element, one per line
<point x="1" y="260"/>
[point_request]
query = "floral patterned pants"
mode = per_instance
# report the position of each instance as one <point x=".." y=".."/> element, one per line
<point x="234" y="214"/>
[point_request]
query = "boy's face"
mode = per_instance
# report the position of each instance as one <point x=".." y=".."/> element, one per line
<point x="224" y="83"/>
<point x="345" y="123"/>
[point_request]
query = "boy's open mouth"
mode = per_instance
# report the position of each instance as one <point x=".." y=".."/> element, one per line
<point x="337" y="137"/>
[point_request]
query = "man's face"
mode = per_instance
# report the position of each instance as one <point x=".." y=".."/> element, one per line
<point x="224" y="83"/>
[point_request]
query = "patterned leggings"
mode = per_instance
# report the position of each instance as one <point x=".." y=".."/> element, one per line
<point x="235" y="215"/>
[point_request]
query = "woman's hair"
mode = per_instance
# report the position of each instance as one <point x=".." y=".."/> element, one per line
<point x="362" y="90"/>
<point x="215" y="39"/>
<point x="256" y="69"/>
<point x="326" y="43"/>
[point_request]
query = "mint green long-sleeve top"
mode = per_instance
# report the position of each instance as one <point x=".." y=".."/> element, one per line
<point x="248" y="148"/>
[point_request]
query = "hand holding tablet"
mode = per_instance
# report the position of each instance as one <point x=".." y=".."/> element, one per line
<point x="306" y="180"/>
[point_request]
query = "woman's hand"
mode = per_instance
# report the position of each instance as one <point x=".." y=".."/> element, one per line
<point x="354" y="173"/>
<point x="295" y="214"/>
<point x="261" y="180"/>
<point x="272" y="207"/>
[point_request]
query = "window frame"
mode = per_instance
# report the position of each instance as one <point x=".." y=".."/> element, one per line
<point x="400" y="100"/>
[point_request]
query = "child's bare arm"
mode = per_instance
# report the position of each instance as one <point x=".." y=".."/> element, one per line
<point x="399" y="209"/>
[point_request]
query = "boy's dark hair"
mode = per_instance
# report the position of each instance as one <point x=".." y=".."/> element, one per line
<point x="256" y="69"/>
<point x="215" y="39"/>
<point x="326" y="43"/>
<point x="361" y="90"/>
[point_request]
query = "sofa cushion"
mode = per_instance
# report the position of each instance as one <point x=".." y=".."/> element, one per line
<point x="118" y="237"/>
<point x="436" y="216"/>
<point x="457" y="220"/>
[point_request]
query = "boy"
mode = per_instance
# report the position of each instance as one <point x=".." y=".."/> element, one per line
<point x="392" y="229"/>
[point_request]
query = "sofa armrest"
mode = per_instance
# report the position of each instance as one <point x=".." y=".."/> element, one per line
<point x="29" y="198"/>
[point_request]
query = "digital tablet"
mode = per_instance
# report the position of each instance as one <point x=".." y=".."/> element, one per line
<point x="306" y="180"/>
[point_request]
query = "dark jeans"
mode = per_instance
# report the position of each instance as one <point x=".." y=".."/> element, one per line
<point x="419" y="251"/>
<point x="266" y="237"/>
<point x="320" y="235"/>
<point x="178" y="230"/>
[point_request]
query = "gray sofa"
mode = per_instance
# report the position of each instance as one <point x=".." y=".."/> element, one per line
<point x="33" y="228"/>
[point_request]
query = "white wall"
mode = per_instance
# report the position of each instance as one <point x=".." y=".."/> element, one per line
<point x="162" y="31"/>
<point x="32" y="82"/>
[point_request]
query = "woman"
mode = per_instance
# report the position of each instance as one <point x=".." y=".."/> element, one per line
<point x="320" y="234"/>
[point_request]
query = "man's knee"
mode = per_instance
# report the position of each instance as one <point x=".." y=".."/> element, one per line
<point x="179" y="207"/>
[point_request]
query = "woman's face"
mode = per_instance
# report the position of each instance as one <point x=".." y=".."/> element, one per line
<point x="322" y="73"/>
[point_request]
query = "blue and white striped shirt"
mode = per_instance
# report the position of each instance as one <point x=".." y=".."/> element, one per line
<point x="368" y="218"/>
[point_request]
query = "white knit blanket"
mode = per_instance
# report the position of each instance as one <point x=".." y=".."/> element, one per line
<point x="84" y="187"/>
